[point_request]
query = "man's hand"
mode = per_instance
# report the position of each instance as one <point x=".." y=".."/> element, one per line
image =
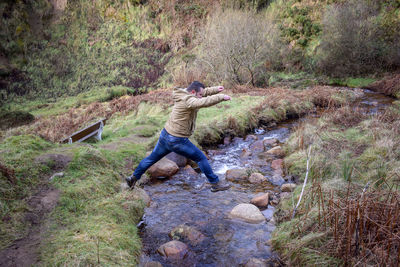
<point x="227" y="97"/>
<point x="220" y="88"/>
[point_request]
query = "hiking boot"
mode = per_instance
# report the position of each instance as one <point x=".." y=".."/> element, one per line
<point x="131" y="181"/>
<point x="220" y="186"/>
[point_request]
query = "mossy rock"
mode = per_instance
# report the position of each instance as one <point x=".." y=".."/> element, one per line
<point x="12" y="119"/>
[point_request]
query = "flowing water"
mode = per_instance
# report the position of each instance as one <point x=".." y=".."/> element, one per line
<point x="186" y="199"/>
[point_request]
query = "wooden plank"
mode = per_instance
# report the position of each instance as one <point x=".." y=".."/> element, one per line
<point x="85" y="133"/>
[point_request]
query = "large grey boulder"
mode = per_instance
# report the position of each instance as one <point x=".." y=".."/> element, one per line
<point x="163" y="168"/>
<point x="248" y="213"/>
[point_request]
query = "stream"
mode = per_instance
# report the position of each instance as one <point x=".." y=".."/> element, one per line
<point x="186" y="199"/>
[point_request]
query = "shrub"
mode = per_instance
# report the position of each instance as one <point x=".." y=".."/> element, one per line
<point x="357" y="39"/>
<point x="14" y="119"/>
<point x="238" y="46"/>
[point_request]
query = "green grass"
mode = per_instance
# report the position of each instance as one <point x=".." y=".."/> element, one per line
<point x="94" y="221"/>
<point x="352" y="82"/>
<point x="46" y="107"/>
<point x="18" y="153"/>
<point x="231" y="117"/>
<point x="146" y="122"/>
<point x="295" y="80"/>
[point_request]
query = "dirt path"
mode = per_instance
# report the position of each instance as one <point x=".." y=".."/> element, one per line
<point x="24" y="252"/>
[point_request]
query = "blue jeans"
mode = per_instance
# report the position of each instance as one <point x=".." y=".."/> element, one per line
<point x="181" y="145"/>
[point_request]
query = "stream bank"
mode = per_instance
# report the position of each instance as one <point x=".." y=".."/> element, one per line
<point x="184" y="204"/>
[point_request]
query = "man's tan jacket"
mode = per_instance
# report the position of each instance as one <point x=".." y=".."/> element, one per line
<point x="182" y="121"/>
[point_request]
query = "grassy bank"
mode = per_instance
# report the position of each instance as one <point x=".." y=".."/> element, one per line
<point x="353" y="185"/>
<point x="94" y="222"/>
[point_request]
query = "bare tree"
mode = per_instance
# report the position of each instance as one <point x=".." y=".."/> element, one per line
<point x="236" y="46"/>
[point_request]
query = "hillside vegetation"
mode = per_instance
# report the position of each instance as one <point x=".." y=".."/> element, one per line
<point x="60" y="48"/>
<point x="65" y="64"/>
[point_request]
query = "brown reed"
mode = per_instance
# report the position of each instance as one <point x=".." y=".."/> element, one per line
<point x="364" y="227"/>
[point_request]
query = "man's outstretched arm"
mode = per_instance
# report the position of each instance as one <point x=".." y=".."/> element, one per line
<point x="194" y="102"/>
<point x="212" y="90"/>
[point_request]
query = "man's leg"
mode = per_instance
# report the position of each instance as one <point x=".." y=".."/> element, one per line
<point x="190" y="151"/>
<point x="158" y="153"/>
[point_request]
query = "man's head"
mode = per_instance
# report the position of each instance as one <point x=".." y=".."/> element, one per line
<point x="196" y="88"/>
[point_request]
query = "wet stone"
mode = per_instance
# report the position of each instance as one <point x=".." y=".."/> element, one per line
<point x="189" y="170"/>
<point x="288" y="187"/>
<point x="234" y="175"/>
<point x="268" y="213"/>
<point x="180" y="160"/>
<point x="185" y="232"/>
<point x="270" y="142"/>
<point x="260" y="200"/>
<point x="163" y="168"/>
<point x="223" y="236"/>
<point x="250" y="137"/>
<point x="277" y="151"/>
<point x="227" y="140"/>
<point x="276" y="179"/>
<point x="257" y="147"/>
<point x="274" y="200"/>
<point x="248" y="213"/>
<point x="278" y="172"/>
<point x="174" y="250"/>
<point x="257" y="178"/>
<point x="277" y="164"/>
<point x="265" y="156"/>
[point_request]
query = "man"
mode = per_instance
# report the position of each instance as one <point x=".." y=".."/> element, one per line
<point x="179" y="127"/>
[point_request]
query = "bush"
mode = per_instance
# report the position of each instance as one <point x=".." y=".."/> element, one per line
<point x="358" y="39"/>
<point x="238" y="47"/>
<point x="14" y="119"/>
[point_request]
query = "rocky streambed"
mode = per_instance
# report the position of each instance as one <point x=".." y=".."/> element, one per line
<point x="185" y="224"/>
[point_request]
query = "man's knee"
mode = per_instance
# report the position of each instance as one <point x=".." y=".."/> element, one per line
<point x="200" y="157"/>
